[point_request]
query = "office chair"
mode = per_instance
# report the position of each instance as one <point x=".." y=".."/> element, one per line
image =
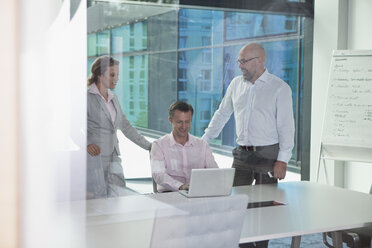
<point x="207" y="222"/>
<point x="154" y="186"/>
<point x="354" y="238"/>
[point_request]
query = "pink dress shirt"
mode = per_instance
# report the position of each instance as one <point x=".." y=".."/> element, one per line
<point x="109" y="104"/>
<point x="172" y="162"/>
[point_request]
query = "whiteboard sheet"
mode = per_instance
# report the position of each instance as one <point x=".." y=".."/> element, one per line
<point x="347" y="129"/>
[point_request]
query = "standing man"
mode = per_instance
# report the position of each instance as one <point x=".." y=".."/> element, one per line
<point x="262" y="106"/>
<point x="174" y="155"/>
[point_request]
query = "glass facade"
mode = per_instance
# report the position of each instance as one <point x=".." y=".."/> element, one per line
<point x="251" y="25"/>
<point x="190" y="54"/>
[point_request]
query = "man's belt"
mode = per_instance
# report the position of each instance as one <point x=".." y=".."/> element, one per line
<point x="255" y="148"/>
<point x="249" y="148"/>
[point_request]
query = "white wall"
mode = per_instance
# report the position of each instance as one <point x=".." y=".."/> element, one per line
<point x="338" y="24"/>
<point x="326" y="32"/>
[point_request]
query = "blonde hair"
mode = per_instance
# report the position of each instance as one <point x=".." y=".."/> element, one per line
<point x="100" y="66"/>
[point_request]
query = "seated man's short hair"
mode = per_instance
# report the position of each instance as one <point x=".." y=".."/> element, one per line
<point x="181" y="106"/>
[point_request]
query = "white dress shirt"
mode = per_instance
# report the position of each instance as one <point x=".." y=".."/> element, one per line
<point x="263" y="114"/>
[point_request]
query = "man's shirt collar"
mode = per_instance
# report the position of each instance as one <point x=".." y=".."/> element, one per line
<point x="189" y="142"/>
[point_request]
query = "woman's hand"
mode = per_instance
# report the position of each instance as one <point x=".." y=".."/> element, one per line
<point x="93" y="149"/>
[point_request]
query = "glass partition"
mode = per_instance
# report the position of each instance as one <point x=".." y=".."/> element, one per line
<point x="174" y="52"/>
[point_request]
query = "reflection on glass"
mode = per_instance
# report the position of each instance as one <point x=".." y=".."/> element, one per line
<point x="248" y="25"/>
<point x="99" y="43"/>
<point x="200" y="28"/>
<point x="129" y="38"/>
<point x="190" y="54"/>
<point x="131" y="89"/>
<point x="198" y="77"/>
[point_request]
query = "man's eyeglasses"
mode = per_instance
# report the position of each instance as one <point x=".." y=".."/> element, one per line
<point x="244" y="61"/>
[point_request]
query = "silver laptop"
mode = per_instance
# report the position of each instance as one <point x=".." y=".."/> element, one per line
<point x="210" y="182"/>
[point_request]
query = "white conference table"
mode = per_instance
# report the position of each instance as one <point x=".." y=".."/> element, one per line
<point x="310" y="208"/>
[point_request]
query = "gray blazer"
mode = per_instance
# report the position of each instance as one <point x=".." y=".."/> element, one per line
<point x="102" y="131"/>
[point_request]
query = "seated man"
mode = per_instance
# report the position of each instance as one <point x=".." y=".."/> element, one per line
<point x="175" y="154"/>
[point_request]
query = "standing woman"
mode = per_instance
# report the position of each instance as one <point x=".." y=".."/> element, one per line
<point x="105" y="177"/>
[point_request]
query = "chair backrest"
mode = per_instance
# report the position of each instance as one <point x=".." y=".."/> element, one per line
<point x="154" y="186"/>
<point x="208" y="222"/>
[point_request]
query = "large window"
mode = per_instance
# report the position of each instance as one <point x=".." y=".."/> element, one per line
<point x="189" y="54"/>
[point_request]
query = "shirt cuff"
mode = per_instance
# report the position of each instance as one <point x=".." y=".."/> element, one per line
<point x="178" y="185"/>
<point x="284" y="156"/>
<point x="205" y="138"/>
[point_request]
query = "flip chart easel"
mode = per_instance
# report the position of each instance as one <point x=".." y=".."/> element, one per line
<point x="347" y="126"/>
